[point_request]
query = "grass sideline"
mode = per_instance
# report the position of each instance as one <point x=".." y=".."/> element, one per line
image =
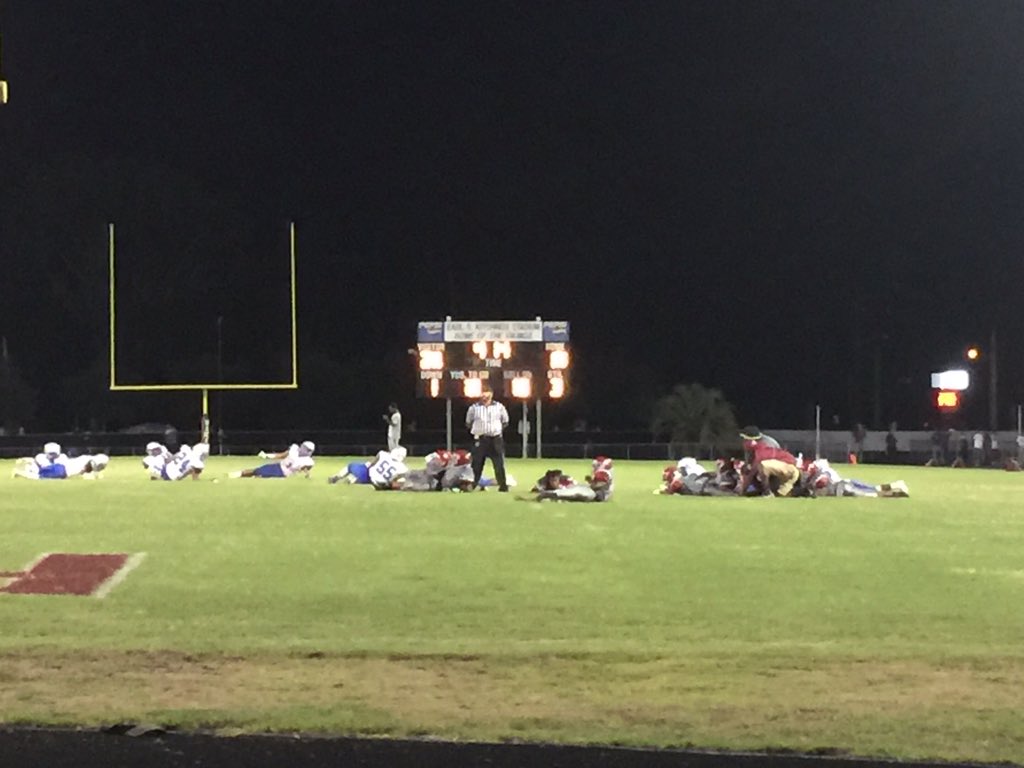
<point x="871" y="627"/>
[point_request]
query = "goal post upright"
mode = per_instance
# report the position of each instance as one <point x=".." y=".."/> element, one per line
<point x="112" y="306"/>
<point x="203" y="387"/>
<point x="295" y="325"/>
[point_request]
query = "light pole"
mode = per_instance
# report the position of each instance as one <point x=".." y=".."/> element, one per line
<point x="993" y="403"/>
<point x="220" y="380"/>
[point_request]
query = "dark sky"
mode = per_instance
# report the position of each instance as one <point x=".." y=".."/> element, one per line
<point x="795" y="202"/>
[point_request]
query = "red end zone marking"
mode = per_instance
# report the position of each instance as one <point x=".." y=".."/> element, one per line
<point x="68" y="574"/>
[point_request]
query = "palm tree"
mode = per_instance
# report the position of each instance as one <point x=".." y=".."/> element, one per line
<point x="693" y="413"/>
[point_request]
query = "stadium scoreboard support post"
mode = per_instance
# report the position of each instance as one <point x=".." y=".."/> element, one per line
<point x="518" y="359"/>
<point x="3" y="82"/>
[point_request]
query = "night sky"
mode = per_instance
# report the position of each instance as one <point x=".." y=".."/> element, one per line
<point x="794" y="202"/>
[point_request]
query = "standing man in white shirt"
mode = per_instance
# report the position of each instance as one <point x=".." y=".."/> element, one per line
<point x="486" y="421"/>
<point x="393" y="418"/>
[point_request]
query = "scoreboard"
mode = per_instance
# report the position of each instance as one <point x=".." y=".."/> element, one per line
<point x="521" y="359"/>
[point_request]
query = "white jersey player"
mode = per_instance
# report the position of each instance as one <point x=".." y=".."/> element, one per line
<point x="87" y="466"/>
<point x="388" y="468"/>
<point x="189" y="461"/>
<point x="298" y="457"/>
<point x="674" y="478"/>
<point x="52" y="453"/>
<point x="823" y="480"/>
<point x="297" y="460"/>
<point x="156" y="458"/>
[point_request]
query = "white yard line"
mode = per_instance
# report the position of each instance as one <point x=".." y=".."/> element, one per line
<point x="120" y="575"/>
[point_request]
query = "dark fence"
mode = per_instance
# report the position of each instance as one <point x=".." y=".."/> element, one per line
<point x="911" y="447"/>
<point x="625" y="445"/>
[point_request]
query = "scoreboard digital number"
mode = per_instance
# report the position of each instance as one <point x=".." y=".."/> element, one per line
<point x="521" y="359"/>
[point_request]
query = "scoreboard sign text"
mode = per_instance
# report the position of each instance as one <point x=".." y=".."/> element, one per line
<point x="523" y="359"/>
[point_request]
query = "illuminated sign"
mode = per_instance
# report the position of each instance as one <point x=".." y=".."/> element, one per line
<point x="947" y="399"/>
<point x="458" y="358"/>
<point x="957" y="380"/>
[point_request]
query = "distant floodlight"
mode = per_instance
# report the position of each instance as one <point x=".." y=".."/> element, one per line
<point x="972" y="353"/>
<point x="956" y="380"/>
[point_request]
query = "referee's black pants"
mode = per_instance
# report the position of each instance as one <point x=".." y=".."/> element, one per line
<point x="485" y="447"/>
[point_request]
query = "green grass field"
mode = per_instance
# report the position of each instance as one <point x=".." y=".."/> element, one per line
<point x="874" y="627"/>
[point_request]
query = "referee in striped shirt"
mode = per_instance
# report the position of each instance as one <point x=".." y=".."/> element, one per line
<point x="486" y="420"/>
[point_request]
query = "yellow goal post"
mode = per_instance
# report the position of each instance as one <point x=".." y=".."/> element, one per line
<point x="204" y="387"/>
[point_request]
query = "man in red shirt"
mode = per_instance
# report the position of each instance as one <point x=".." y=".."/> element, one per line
<point x="774" y="469"/>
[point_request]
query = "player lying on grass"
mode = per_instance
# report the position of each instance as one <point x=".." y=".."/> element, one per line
<point x="458" y="474"/>
<point x="156" y="457"/>
<point x="297" y="460"/>
<point x="52" y="453"/>
<point x="389" y="465"/>
<point x="819" y="478"/>
<point x="443" y="470"/>
<point x="87" y="466"/>
<point x="189" y="461"/>
<point x="557" y="486"/>
<point x="388" y="469"/>
<point x="688" y="478"/>
<point x="436" y="465"/>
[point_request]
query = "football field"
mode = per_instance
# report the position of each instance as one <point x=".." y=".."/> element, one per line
<point x="873" y="627"/>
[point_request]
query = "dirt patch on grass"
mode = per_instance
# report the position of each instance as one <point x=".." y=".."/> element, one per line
<point x="907" y="709"/>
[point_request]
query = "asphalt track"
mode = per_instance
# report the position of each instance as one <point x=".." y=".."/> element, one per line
<point x="121" y="747"/>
